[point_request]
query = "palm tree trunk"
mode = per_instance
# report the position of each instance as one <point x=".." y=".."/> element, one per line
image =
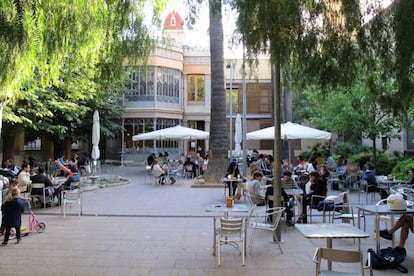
<point x="217" y="156"/>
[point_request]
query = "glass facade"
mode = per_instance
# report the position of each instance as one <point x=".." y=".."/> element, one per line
<point x="144" y="81"/>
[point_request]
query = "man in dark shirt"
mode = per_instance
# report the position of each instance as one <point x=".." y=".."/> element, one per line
<point x="4" y="171"/>
<point x="41" y="177"/>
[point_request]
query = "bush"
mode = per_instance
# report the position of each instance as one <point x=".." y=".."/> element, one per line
<point x="400" y="170"/>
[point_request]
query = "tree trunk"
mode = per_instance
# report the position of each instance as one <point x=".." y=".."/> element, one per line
<point x="217" y="156"/>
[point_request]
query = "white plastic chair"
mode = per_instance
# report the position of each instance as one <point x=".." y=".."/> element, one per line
<point x="71" y="197"/>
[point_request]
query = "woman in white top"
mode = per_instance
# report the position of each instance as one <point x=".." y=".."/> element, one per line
<point x="157" y="170"/>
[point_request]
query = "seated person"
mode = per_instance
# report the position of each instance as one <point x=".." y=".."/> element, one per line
<point x="256" y="189"/>
<point x="316" y="187"/>
<point x="72" y="175"/>
<point x="411" y="177"/>
<point x="179" y="170"/>
<point x="405" y="222"/>
<point x="234" y="173"/>
<point x="41" y="177"/>
<point x="369" y="177"/>
<point x="23" y="178"/>
<point x="161" y="172"/>
<point x="4" y="171"/>
<point x="288" y="183"/>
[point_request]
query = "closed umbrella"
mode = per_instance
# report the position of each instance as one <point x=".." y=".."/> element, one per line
<point x="238" y="135"/>
<point x="96" y="133"/>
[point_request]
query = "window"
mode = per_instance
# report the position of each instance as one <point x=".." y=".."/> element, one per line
<point x="35" y="144"/>
<point x="384" y="143"/>
<point x="196" y="88"/>
<point x="140" y="86"/>
<point x="172" y="20"/>
<point x="144" y="81"/>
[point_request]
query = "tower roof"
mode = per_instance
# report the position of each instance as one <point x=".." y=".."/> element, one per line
<point x="173" y="21"/>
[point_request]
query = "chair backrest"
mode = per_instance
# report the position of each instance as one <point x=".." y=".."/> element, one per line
<point x="38" y="186"/>
<point x="74" y="185"/>
<point x="72" y="197"/>
<point x="276" y="214"/>
<point x="231" y="226"/>
<point x="338" y="255"/>
<point x="381" y="202"/>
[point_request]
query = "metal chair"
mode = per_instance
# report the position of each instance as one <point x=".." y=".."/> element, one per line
<point x="269" y="222"/>
<point x="345" y="213"/>
<point x="231" y="231"/>
<point x="71" y="197"/>
<point x="340" y="256"/>
<point x="37" y="196"/>
<point x="188" y="171"/>
<point x="158" y="176"/>
<point x="314" y="200"/>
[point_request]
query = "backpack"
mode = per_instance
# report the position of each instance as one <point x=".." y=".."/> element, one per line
<point x="387" y="258"/>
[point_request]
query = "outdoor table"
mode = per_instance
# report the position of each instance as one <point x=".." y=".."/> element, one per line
<point x="222" y="208"/>
<point x="294" y="192"/>
<point x="387" y="184"/>
<point x="381" y="210"/>
<point x="330" y="231"/>
<point x="228" y="182"/>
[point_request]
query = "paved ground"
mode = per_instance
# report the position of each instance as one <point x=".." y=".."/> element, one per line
<point x="144" y="229"/>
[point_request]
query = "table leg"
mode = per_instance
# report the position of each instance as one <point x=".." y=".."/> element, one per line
<point x="329" y="245"/>
<point x="214" y="237"/>
<point x="377" y="236"/>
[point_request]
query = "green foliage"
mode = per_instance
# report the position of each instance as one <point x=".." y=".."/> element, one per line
<point x="349" y="150"/>
<point x="60" y="63"/>
<point x="400" y="170"/>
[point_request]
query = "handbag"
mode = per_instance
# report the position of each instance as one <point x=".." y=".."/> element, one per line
<point x="387" y="258"/>
<point x="326" y="205"/>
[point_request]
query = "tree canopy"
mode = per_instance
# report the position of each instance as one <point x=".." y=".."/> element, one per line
<point x="61" y="59"/>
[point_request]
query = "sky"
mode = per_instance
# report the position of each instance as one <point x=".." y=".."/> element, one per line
<point x="198" y="37"/>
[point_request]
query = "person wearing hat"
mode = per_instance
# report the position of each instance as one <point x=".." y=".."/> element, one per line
<point x="405" y="222"/>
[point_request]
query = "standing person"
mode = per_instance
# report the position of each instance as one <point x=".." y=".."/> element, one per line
<point x="23" y="178"/>
<point x="8" y="196"/>
<point x="12" y="215"/>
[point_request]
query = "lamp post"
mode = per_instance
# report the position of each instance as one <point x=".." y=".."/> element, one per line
<point x="230" y="65"/>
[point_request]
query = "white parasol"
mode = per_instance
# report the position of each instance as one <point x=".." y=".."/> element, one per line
<point x="238" y="135"/>
<point x="173" y="133"/>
